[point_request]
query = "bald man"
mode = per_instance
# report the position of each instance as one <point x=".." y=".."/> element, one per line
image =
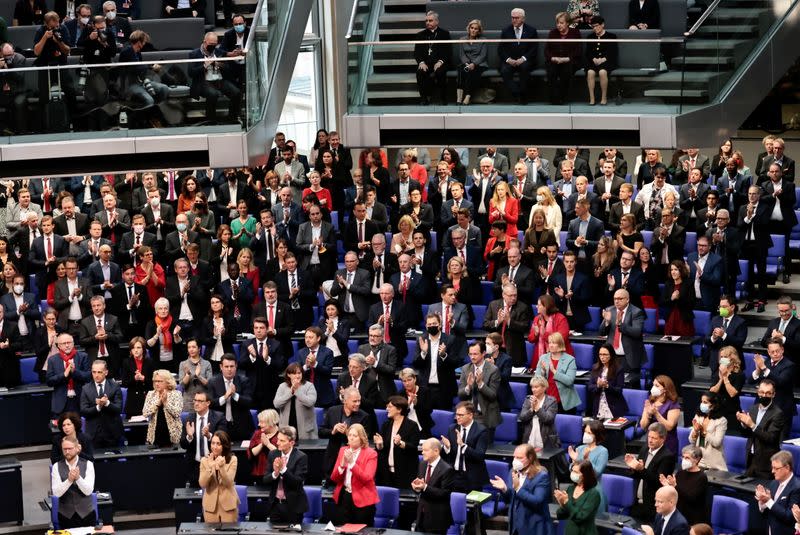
<point x="669" y="521"/>
<point x="211" y="80"/>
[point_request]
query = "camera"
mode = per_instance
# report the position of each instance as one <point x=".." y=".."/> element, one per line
<point x="57" y="35"/>
<point x="148" y="86"/>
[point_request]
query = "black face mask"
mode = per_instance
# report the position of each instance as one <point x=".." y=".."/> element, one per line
<point x="432" y="330"/>
<point x="764" y="401"/>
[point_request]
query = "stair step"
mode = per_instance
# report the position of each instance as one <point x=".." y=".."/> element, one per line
<point x="394" y="94"/>
<point x="702" y="61"/>
<point x="412" y="19"/>
<point x="687" y="77"/>
<point x="724" y="45"/>
<point x="728" y="29"/>
<point x="676" y="93"/>
<point x="728" y="13"/>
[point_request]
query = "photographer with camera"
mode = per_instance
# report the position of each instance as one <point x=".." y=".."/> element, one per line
<point x="51" y="49"/>
<point x="136" y="84"/>
<point x="211" y="79"/>
<point x="13" y="96"/>
<point x="98" y="43"/>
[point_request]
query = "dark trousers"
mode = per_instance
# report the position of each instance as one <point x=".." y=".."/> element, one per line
<point x="757" y="256"/>
<point x="346" y="511"/>
<point x="781" y="228"/>
<point x="518" y="89"/>
<point x="212" y="93"/>
<point x="559" y="76"/>
<point x="469" y="81"/>
<point x="440" y="400"/>
<point x="16" y="102"/>
<point x="432" y="83"/>
<point x="280" y="513"/>
<point x="76" y="521"/>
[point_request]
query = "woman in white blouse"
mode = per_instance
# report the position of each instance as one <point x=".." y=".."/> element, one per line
<point x="552" y="212"/>
<point x="217" y="335"/>
<point x="336" y="332"/>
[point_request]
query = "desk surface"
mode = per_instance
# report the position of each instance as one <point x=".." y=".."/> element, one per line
<point x="25" y="390"/>
<point x="721" y="478"/>
<point x="256" y="528"/>
<point x="136" y="451"/>
<point x="8" y="463"/>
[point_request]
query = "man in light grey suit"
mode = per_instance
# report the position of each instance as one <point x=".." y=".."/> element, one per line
<point x="18" y="211"/>
<point x="534" y="162"/>
<point x="316" y="243"/>
<point x="381" y="360"/>
<point x="623" y="325"/>
<point x="499" y="160"/>
<point x="455" y="319"/>
<point x="351" y="287"/>
<point x="291" y="173"/>
<point x="479" y="383"/>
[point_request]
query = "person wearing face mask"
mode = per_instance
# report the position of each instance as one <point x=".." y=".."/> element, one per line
<point x="119" y="26"/>
<point x="728" y="386"/>
<point x="135" y="239"/>
<point x="578" y="505"/>
<point x="233" y="42"/>
<point x="708" y="432"/>
<point x="727" y="329"/>
<point x="527" y="491"/>
<point x="211" y="79"/>
<point x="593" y="451"/>
<point x="22" y="307"/>
<point x="78" y="27"/>
<point x="763" y="425"/>
<point x="662" y="407"/>
<point x="691" y="484"/>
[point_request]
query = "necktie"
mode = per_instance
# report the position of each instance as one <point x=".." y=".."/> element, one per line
<point x="447" y="319"/>
<point x="270" y="254"/>
<point x="464" y="440"/>
<point x="49" y="247"/>
<point x="386" y="316"/>
<point x="280" y="492"/>
<point x="617" y="333"/>
<point x="311" y="372"/>
<point x="260" y="352"/>
<point x="505" y="322"/>
<point x="228" y="403"/>
<point x="360" y="231"/>
<point x="550" y="268"/>
<point x="725" y="324"/>
<point x="101" y="348"/>
<point x="511" y="273"/>
<point x="518" y="32"/>
<point x="428" y="474"/>
<point x="132" y="312"/>
<point x="201" y="439"/>
<point x="295" y="302"/>
<point x="285" y="213"/>
<point x="171" y="191"/>
<point x="463" y="256"/>
<point x="624" y="279"/>
<point x="379" y="273"/>
<point x="355" y="383"/>
<point x="404" y="287"/>
<point x="138" y="239"/>
<point x="235" y="296"/>
<point x="782" y="326"/>
<point x="100" y="392"/>
<point x="271" y="316"/>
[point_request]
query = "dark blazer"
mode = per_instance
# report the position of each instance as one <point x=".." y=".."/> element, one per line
<point x="284" y="324"/>
<point x="759" y="224"/>
<point x="631" y="331"/>
<point x="367" y="387"/>
<point x="96" y="279"/>
<point x="11" y="313"/>
<point x="341" y="334"/>
<point x="423" y="407"/>
<point x="517" y="328"/>
<point x="524" y="280"/>
<point x="62" y="303"/>
<point x="445" y="366"/>
<point x="229" y="38"/>
<point x="37" y="257"/>
<point x="616" y="214"/>
<point x="241" y="427"/>
<point x="196" y="298"/>
<point x="137" y="390"/>
<point x="685" y="302"/>
<point x="677" y="524"/>
<point x="635" y="285"/>
<point x="405" y="459"/>
<point x="103" y="426"/>
<point x="173" y="249"/>
<point x="710" y="280"/>
<point x="244" y="298"/>
<point x="397" y="325"/>
<point x="351" y="233"/>
<point x="547" y="417"/>
<point x="734" y="199"/>
<point x="322" y="376"/>
<point x="114" y="337"/>
<point x="215" y="421"/>
<point x="649" y="14"/>
<point x="663" y="462"/>
<point x="764" y="441"/>
<point x="791" y="332"/>
<point x="594" y="232"/>
<point x="413" y="298"/>
<point x="600" y="188"/>
<point x="389" y="263"/>
<point x="178" y="348"/>
<point x="206" y="335"/>
<point x="614" y="397"/>
<point x="473" y="455"/>
<point x="360" y="289"/>
<point x="125" y="252"/>
<point x="782" y="374"/>
<point x="475" y="264"/>
<point x="787" y="166"/>
<point x="581" y="297"/>
<point x="435" y="52"/>
<point x="504" y="394"/>
<point x="674" y="243"/>
<point x="263" y="377"/>
<point x="786" y="199"/>
<point x="727" y="249"/>
<point x="306" y="297"/>
<point x="131" y="321"/>
<point x="81" y="224"/>
<point x="384" y="370"/>
<point x="779" y="517"/>
<point x="55" y="378"/>
<point x="10" y="374"/>
<point x="333" y="416"/>
<point x="433" y="510"/>
<point x="293" y="480"/>
<point x="736" y="336"/>
<point x="122" y="225"/>
<point x="515" y="50"/>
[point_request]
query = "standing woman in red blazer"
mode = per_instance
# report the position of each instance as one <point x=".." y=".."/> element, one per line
<point x="548" y="320"/>
<point x="354" y="474"/>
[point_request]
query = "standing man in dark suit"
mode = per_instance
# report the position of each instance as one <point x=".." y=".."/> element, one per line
<point x="232" y="395"/>
<point x="524" y="189"/>
<point x="67" y="372"/>
<point x="726" y="242"/>
<point x="287" y="468"/>
<point x="381" y="361"/>
<point x="583" y="234"/>
<point x="317" y="363"/>
<point x="481" y="188"/>
<point x="626" y="205"/>
<point x="777" y="498"/>
<point x="785" y="326"/>
<point x="434" y="483"/>
<point x="115" y="221"/>
<point x="392" y="315"/>
<point x="465" y="449"/>
<point x="296" y="287"/>
<point x="360" y="230"/>
<point x="781" y="371"/>
<point x="432" y="60"/>
<point x="625" y="277"/>
<point x="101" y="336"/>
<point x="279" y="320"/>
<point x="21" y="308"/>
<point x="262" y="361"/>
<point x="132" y="302"/>
<point x="212" y="80"/>
<point x="351" y="287"/>
<point x="518" y="58"/>
<point x="410" y="288"/>
<point x="436" y="360"/>
<point x="753" y="223"/>
<point x="237" y="293"/>
<point x="623" y="325"/>
<point x="338" y="420"/>
<point x="200" y="426"/>
<point x="573" y="293"/>
<point x="783" y="217"/>
<point x="653" y="461"/>
<point x="727" y="329"/>
<point x="316" y="247"/>
<point x="71" y="223"/>
<point x="9" y="345"/>
<point x="188" y="300"/>
<point x="764" y="425"/>
<point x="517" y="274"/>
<point x="72" y="295"/>
<point x="47" y="251"/>
<point x="128" y="248"/>
<point x="669" y="521"/>
<point x="380" y="263"/>
<point x="705" y="273"/>
<point x="668" y="241"/>
<point x="366" y="384"/>
<point x="101" y="406"/>
<point x="512" y="319"/>
<point x="607" y="188"/>
<point x="786" y="164"/>
<point x="732" y="187"/>
<point x="455" y="319"/>
<point x="103" y="274"/>
<point x="693" y="198"/>
<point x="44" y="192"/>
<point x="177" y="242"/>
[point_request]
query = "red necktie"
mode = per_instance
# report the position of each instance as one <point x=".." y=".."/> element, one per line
<point x="505" y="322"/>
<point x="386" y="316"/>
<point x="271" y="316"/>
<point x="49" y="247"/>
<point x="463" y="256"/>
<point x="405" y="287"/>
<point x="46" y="194"/>
<point x="171" y="191"/>
<point x="617" y="334"/>
<point x="101" y="348"/>
<point x="428" y="474"/>
<point x="446" y="327"/>
<point x="550" y="268"/>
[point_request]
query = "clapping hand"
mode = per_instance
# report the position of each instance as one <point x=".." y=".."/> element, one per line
<point x="445" y="441"/>
<point x="667" y="480"/>
<point x="347" y="457"/>
<point x="763" y="495"/>
<point x="560" y="496"/>
<point x="277" y="464"/>
<point x="759" y="362"/>
<point x="190" y="428"/>
<point x="418" y="484"/>
<point x="744" y="419"/>
<point x="378" y="440"/>
<point x="498" y="483"/>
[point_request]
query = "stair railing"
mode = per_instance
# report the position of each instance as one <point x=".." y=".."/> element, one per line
<point x="358" y="91"/>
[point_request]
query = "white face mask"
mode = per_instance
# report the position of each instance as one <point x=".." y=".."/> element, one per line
<point x="724" y="362"/>
<point x="155" y="201"/>
<point x="686" y="464"/>
<point x="111" y="15"/>
<point x="655" y="391"/>
<point x="588" y="438"/>
<point x="517" y="465"/>
<point x="138" y="229"/>
<point x="18" y="289"/>
<point x="575" y="477"/>
<point x="84" y="20"/>
<point x="539" y="198"/>
<point x="490" y="349"/>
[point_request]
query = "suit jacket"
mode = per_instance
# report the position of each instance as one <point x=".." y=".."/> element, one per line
<point x="122" y="225"/>
<point x="218" y="494"/>
<point x="524" y="280"/>
<point x="383" y="371"/>
<point x="96" y="278"/>
<point x="166" y="214"/>
<point x="764" y="441"/>
<point x="687" y="203"/>
<point x="55" y="378"/>
<point x="284" y="323"/>
<point x="293" y="480"/>
<point x="779" y="517"/>
<point x="412" y="298"/>
<point x="663" y="462"/>
<point x="333" y="416"/>
<point x="787" y="166"/>
<point x="791" y="332"/>
<point x="710" y="280"/>
<point x="367" y="387"/>
<point x="786" y="199"/>
<point x="616" y="214"/>
<point x="62" y="300"/>
<point x="306" y="298"/>
<point x="600" y="188"/>
<point x="305" y="249"/>
<point x="244" y="298"/>
<point x="81" y="224"/>
<point x="594" y="232"/>
<point x="56" y="185"/>
<point x="759" y="224"/>
<point x="359" y="290"/>
<point x="473" y="455"/>
<point x="701" y="160"/>
<point x="388" y="263"/>
<point x="499" y="161"/>
<point x="581" y="166"/>
<point x="133" y="320"/>
<point x="631" y="331"/>
<point x="10" y="374"/>
<point x="446" y="212"/>
<point x="734" y="199"/>
<point x="37" y="258"/>
<point x="727" y="249"/>
<point x="88" y="341"/>
<point x="475" y="264"/>
<point x="516" y="50"/>
<point x="322" y="374"/>
<point x="677" y="525"/>
<point x="196" y="298"/>
<point x="487" y="406"/>
<point x="517" y="326"/>
<point x="362" y="481"/>
<point x="405" y="459"/>
<point x="11" y="312"/>
<point x="433" y="509"/>
<point x="635" y="285"/>
<point x="736" y="335"/>
<point x="649" y="14"/>
<point x="398" y="324"/>
<point x="174" y="249"/>
<point x="86" y="256"/>
<point x="446" y="365"/>
<point x="782" y="374"/>
<point x="14" y="215"/>
<point x="103" y="426"/>
<point x="674" y="243"/>
<point x="263" y="376"/>
<point x="580" y="300"/>
<point x="215" y="421"/>
<point x="291" y="226"/>
<point x="460" y="324"/>
<point x="125" y="251"/>
<point x="435" y="52"/>
<point x="241" y="426"/>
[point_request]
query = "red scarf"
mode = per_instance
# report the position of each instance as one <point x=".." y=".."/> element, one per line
<point x="166" y="323"/>
<point x="139" y="363"/>
<point x="67" y="358"/>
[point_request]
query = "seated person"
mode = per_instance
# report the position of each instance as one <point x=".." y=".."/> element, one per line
<point x="135" y="84"/>
<point x="211" y="79"/>
<point x="184" y="8"/>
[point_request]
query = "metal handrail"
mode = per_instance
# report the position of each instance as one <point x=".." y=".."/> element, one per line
<point x="353" y="11"/>
<point x="120" y="65"/>
<point x="365" y="54"/>
<point x="252" y="33"/>
<point x="537" y="40"/>
<point x="703" y="18"/>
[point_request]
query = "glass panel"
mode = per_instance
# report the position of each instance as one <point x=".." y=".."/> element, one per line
<point x="164" y="98"/>
<point x="300" y="115"/>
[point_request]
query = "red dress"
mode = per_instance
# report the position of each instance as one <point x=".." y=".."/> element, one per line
<point x="255" y="281"/>
<point x="323" y="193"/>
<point x="557" y="323"/>
<point x="675" y="324"/>
<point x="552" y="387"/>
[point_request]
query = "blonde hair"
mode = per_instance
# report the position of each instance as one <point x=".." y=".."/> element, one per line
<point x="269" y="417"/>
<point x="362" y="434"/>
<point x="545" y="192"/>
<point x="169" y="380"/>
<point x="731" y="353"/>
<point x="556" y="338"/>
<point x="478" y="23"/>
<point x="405" y="219"/>
<point x="495" y="197"/>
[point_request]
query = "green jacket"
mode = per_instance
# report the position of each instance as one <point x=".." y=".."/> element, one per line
<point x="580" y="513"/>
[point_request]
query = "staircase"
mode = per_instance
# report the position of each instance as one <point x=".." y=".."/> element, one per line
<point x="712" y="54"/>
